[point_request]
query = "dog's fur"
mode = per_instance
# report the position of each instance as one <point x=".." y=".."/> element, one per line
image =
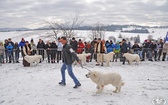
<point x="102" y="79"/>
<point x="108" y="57"/>
<point x="33" y="58"/>
<point x="82" y="57"/>
<point x="132" y="57"/>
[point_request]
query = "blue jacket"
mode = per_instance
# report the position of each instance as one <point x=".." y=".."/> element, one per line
<point x="110" y="47"/>
<point x="21" y="44"/>
<point x="9" y="48"/>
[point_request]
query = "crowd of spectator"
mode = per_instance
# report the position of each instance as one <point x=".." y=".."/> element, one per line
<point x="151" y="50"/>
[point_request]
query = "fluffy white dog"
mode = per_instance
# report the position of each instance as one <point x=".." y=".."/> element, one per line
<point x="132" y="57"/>
<point x="33" y="58"/>
<point x="102" y="79"/>
<point x="82" y="57"/>
<point x="108" y="57"/>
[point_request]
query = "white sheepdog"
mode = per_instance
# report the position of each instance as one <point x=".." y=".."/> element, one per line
<point x="102" y="79"/>
<point x="33" y="58"/>
<point x="82" y="57"/>
<point x="132" y="57"/>
<point x="108" y="57"/>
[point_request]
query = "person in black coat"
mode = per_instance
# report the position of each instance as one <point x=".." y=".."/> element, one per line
<point x="40" y="48"/>
<point x="68" y="57"/>
<point x="53" y="51"/>
<point x="136" y="48"/>
<point x="17" y="51"/>
<point x="93" y="55"/>
<point x="74" y="44"/>
<point x="147" y="48"/>
<point x="160" y="46"/>
<point x="48" y="50"/>
<point x="124" y="49"/>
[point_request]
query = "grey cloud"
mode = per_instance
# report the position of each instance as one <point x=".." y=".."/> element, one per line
<point x="19" y="13"/>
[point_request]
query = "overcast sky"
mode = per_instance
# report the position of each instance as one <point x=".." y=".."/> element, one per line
<point x="32" y="13"/>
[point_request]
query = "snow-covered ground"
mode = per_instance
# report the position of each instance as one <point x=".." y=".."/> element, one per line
<point x="38" y="85"/>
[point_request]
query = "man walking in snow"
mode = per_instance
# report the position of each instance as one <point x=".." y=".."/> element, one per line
<point x="68" y="57"/>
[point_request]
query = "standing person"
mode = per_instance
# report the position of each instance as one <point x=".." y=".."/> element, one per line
<point x="48" y="50"/>
<point x="117" y="51"/>
<point x="155" y="49"/>
<point x="74" y="44"/>
<point x="160" y="46"/>
<point x="53" y="51"/>
<point x="136" y="48"/>
<point x="26" y="51"/>
<point x="17" y="51"/>
<point x="93" y="55"/>
<point x="2" y="49"/>
<point x="9" y="47"/>
<point x="68" y="57"/>
<point x="33" y="46"/>
<point x="6" y="51"/>
<point x="21" y="44"/>
<point x="165" y="50"/>
<point x="147" y="48"/>
<point x="81" y="47"/>
<point x="59" y="50"/>
<point x="124" y="49"/>
<point x="40" y="48"/>
<point x="109" y="46"/>
<point x="100" y="49"/>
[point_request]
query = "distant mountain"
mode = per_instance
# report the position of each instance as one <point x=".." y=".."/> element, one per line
<point x="141" y="29"/>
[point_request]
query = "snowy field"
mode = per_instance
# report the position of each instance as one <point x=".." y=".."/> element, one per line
<point x="38" y="85"/>
<point x="84" y="34"/>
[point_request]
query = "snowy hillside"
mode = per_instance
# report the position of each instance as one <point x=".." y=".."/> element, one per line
<point x="85" y="35"/>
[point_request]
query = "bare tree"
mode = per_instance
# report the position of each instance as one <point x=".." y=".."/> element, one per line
<point x="98" y="31"/>
<point x="67" y="28"/>
<point x="54" y="28"/>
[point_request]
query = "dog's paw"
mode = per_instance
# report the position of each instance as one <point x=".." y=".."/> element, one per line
<point x="98" y="92"/>
<point x="115" y="91"/>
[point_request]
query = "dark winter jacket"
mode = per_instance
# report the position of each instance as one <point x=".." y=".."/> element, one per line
<point x="124" y="48"/>
<point x="16" y="48"/>
<point x="53" y="47"/>
<point x="48" y="48"/>
<point x="69" y="55"/>
<point x="74" y="45"/>
<point x="136" y="47"/>
<point x="41" y="46"/>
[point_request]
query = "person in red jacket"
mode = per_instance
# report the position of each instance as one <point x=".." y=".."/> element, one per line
<point x="81" y="47"/>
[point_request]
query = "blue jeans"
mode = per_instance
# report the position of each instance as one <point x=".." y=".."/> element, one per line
<point x="70" y="72"/>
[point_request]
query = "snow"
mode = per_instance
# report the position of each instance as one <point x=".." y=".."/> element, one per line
<point x="80" y="34"/>
<point x="38" y="85"/>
